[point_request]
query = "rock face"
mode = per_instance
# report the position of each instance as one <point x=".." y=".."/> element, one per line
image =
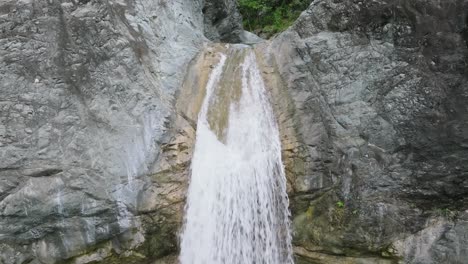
<point x="376" y="144"/>
<point x="86" y="127"/>
<point x="223" y="23"/>
<point x="96" y="132"/>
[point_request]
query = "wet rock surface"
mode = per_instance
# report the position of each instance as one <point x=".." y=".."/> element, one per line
<point x="86" y="98"/>
<point x="378" y="161"/>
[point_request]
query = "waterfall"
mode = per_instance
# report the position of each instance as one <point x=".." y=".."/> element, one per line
<point x="237" y="205"/>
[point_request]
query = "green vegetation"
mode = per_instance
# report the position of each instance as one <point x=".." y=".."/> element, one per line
<point x="446" y="213"/>
<point x="340" y="204"/>
<point x="268" y="17"/>
<point x="310" y="212"/>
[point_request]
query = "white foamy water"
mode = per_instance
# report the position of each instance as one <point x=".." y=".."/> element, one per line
<point x="237" y="205"/>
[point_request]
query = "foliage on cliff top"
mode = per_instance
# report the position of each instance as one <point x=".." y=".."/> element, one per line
<point x="268" y="17"/>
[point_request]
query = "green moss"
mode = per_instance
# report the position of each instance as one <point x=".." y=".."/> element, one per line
<point x="310" y="212"/>
<point x="446" y="213"/>
<point x="133" y="258"/>
<point x="130" y="257"/>
<point x="160" y="242"/>
<point x="388" y="252"/>
<point x="321" y="223"/>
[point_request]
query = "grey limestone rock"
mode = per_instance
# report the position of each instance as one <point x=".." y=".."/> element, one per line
<point x="250" y="38"/>
<point x="380" y="90"/>
<point x="223" y="22"/>
<point x="86" y="94"/>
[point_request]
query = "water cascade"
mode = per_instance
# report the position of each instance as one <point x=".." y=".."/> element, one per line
<point x="237" y="205"/>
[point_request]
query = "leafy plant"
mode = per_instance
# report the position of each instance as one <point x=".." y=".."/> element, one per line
<point x="270" y="16"/>
<point x="340" y="204"/>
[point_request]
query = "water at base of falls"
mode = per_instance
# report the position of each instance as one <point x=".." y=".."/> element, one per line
<point x="237" y="205"/>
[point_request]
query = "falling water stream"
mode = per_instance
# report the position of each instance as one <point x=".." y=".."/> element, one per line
<point x="237" y="205"/>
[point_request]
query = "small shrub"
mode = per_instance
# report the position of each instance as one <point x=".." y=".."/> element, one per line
<point x="340" y="204"/>
<point x="446" y="213"/>
<point x="270" y="16"/>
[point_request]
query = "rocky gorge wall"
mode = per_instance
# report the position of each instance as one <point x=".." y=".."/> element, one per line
<point x="376" y="139"/>
<point x="99" y="102"/>
<point x="86" y="97"/>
